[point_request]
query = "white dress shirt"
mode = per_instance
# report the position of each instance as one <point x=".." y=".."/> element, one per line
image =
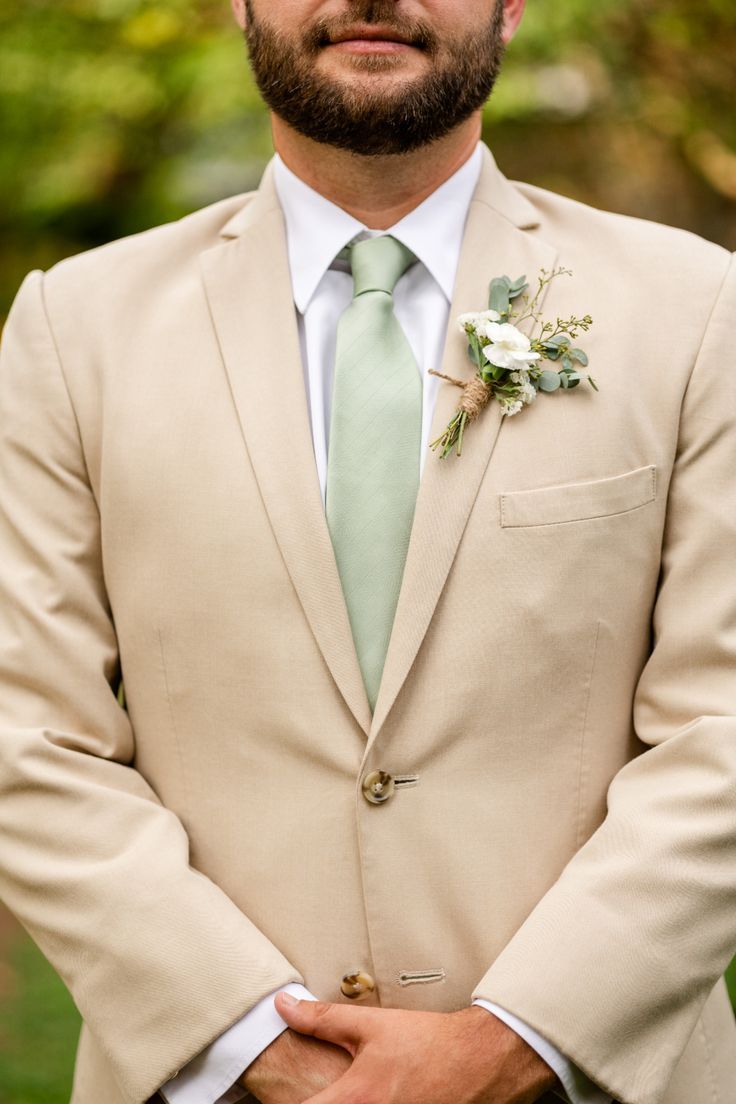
<point x="316" y="232"/>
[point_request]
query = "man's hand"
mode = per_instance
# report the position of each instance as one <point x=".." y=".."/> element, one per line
<point x="293" y="1068"/>
<point x="400" y="1057"/>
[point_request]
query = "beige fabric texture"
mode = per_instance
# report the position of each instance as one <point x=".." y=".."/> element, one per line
<point x="559" y="691"/>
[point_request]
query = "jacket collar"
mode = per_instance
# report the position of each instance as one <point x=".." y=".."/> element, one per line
<point x="248" y="285"/>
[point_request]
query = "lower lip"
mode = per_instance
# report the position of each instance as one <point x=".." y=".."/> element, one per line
<point x="371" y="46"/>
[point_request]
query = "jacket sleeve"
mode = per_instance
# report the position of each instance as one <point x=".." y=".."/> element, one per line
<point x="573" y="1086"/>
<point x="158" y="959"/>
<point x="211" y="1077"/>
<point x="616" y="961"/>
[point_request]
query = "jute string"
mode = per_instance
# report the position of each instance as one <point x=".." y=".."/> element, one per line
<point x="476" y="393"/>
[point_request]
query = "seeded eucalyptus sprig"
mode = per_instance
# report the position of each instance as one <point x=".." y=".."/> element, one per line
<point x="508" y="361"/>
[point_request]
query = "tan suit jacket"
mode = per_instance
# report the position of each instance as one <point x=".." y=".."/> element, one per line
<point x="558" y="702"/>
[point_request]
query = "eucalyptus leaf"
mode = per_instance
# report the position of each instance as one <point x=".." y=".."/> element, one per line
<point x="549" y="381"/>
<point x="518" y="287"/>
<point x="573" y="381"/>
<point x="558" y="339"/>
<point x="580" y="357"/>
<point x="567" y="362"/>
<point x="499" y="298"/>
<point x="553" y="352"/>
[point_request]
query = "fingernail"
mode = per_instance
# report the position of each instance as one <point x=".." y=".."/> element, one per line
<point x="288" y="999"/>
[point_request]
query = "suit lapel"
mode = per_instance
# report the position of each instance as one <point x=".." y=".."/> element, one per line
<point x="498" y="240"/>
<point x="248" y="287"/>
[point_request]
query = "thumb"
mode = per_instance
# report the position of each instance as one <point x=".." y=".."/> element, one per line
<point x="332" y="1022"/>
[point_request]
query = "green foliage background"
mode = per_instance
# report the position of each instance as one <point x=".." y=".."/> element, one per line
<point x="39" y="1028"/>
<point x="116" y="115"/>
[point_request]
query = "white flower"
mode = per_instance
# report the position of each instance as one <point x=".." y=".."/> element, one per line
<point x="521" y="376"/>
<point x="485" y="319"/>
<point x="527" y="394"/>
<point x="477" y="321"/>
<point x="466" y="322"/>
<point x="510" y="346"/>
<point x="511" y="408"/>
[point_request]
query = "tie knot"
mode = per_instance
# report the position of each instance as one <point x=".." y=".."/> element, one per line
<point x="377" y="264"/>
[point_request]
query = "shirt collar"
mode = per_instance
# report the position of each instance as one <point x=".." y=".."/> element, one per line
<point x="317" y="229"/>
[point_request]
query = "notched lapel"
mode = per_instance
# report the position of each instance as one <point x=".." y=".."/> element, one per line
<point x="498" y="240"/>
<point x="248" y="287"/>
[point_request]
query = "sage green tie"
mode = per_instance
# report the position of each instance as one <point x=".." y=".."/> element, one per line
<point x="373" y="454"/>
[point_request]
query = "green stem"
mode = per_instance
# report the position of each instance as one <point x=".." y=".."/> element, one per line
<point x="463" y="420"/>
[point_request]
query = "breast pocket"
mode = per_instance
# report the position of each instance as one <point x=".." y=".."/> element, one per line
<point x="570" y="502"/>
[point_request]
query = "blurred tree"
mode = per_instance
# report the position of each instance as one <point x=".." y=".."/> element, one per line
<point x="116" y="115"/>
<point x="626" y="104"/>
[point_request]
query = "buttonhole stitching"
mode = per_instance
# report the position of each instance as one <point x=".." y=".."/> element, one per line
<point x="417" y="977"/>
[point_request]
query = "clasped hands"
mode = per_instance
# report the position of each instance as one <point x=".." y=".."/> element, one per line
<point x="352" y="1054"/>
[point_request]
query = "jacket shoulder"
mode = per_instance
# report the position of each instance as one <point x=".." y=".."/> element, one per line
<point x="636" y="245"/>
<point x="638" y="268"/>
<point x="141" y="254"/>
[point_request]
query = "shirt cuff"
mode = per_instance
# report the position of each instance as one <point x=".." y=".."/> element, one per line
<point x="210" y="1077"/>
<point x="578" y="1087"/>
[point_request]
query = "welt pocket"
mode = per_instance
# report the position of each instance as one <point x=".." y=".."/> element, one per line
<point x="579" y="501"/>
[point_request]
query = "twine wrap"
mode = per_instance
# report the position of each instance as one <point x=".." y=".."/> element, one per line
<point x="476" y="393"/>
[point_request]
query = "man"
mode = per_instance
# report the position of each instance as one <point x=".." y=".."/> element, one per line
<point x="454" y="755"/>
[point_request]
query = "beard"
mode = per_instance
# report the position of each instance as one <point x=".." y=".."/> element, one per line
<point x="351" y="116"/>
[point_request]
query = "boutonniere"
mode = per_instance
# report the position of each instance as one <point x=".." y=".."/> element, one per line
<point x="509" y="362"/>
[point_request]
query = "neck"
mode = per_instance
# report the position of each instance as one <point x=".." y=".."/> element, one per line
<point x="378" y="191"/>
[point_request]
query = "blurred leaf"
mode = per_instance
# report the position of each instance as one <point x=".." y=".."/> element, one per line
<point x="549" y="381"/>
<point x="499" y="297"/>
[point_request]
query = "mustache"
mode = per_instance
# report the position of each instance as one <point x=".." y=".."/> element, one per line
<point x="382" y="12"/>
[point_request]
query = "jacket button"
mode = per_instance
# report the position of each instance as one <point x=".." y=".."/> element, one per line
<point x="378" y="786"/>
<point x="357" y="985"/>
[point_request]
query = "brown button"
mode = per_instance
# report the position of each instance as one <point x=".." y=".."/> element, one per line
<point x="357" y="985"/>
<point x="378" y="786"/>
